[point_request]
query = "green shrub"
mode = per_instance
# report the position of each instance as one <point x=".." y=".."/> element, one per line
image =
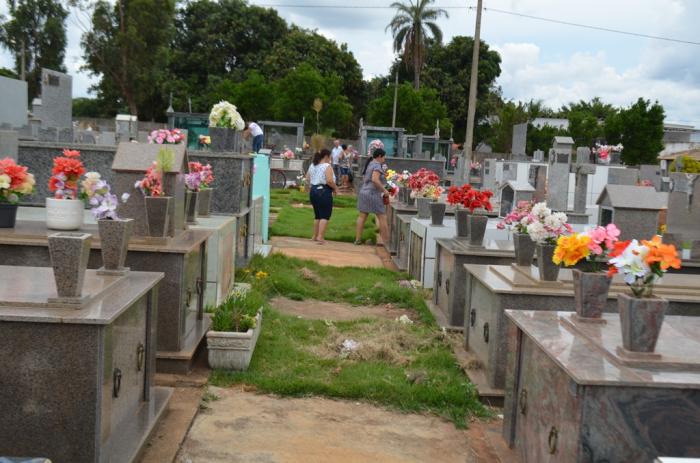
<point x="237" y="313"/>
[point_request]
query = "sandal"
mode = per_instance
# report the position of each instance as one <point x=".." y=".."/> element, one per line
<point x="357" y="242"/>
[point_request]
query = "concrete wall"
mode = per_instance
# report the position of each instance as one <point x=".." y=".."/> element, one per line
<point x="13" y="103"/>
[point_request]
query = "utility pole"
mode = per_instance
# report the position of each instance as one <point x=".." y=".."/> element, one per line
<point x="396" y="94"/>
<point x="471" y="109"/>
<point x="23" y="64"/>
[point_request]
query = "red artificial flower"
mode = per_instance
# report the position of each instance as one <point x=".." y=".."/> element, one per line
<point x="71" y="153"/>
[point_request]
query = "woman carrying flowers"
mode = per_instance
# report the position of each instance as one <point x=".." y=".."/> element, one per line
<point x="370" y="199"/>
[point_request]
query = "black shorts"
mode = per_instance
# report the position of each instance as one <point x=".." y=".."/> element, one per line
<point x="321" y="197"/>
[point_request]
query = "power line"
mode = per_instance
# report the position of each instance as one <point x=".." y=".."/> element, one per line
<point x="588" y="26"/>
<point x="495" y="10"/>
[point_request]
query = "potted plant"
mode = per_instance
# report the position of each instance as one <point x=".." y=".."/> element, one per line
<point x="286" y="155"/>
<point x="642" y="313"/>
<point x="545" y="228"/>
<point x="519" y="218"/>
<point x="477" y="200"/>
<point x="455" y="196"/>
<point x="65" y="210"/>
<point x="156" y="202"/>
<point x="590" y="287"/>
<point x="236" y="325"/>
<point x="224" y="121"/>
<point x="401" y="180"/>
<point x="15" y="182"/>
<point x="425" y="189"/>
<point x="114" y="232"/>
<point x="206" y="176"/>
<point x="166" y="136"/>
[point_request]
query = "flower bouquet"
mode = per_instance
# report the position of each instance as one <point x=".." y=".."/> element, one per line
<point x="114" y="232"/>
<point x="642" y="265"/>
<point x="65" y="210"/>
<point x="157" y="203"/>
<point x="603" y="152"/>
<point x="204" y="141"/>
<point x="287" y="154"/>
<point x="224" y="121"/>
<point x="544" y="228"/>
<point x="206" y="177"/>
<point x="166" y="137"/>
<point x="471" y="200"/>
<point x="374" y="145"/>
<point x="590" y="288"/>
<point x="519" y="218"/>
<point x="15" y="182"/>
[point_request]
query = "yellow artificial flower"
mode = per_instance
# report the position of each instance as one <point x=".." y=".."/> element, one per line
<point x="571" y="249"/>
<point x="260" y="275"/>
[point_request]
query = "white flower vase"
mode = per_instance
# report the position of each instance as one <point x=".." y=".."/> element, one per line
<point x="64" y="214"/>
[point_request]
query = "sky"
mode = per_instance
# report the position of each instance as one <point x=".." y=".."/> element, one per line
<point x="544" y="61"/>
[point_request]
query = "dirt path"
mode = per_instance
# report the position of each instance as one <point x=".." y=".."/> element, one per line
<point x="319" y="310"/>
<point x="247" y="427"/>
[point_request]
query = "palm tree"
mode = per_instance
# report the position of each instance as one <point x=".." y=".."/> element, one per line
<point x="411" y="27"/>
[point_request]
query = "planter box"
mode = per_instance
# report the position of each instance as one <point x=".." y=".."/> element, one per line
<point x="233" y="351"/>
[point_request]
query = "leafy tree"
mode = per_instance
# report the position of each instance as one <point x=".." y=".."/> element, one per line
<point x="91" y="107"/>
<point x="448" y="69"/>
<point x="254" y="97"/>
<point x="324" y="55"/>
<point x="4" y="72"/>
<point x="587" y="120"/>
<point x="416" y="110"/>
<point x="37" y="29"/>
<point x="501" y="136"/>
<point x="412" y="26"/>
<point x="128" y="48"/>
<point x="542" y="138"/>
<point x="640" y="129"/>
<point x="217" y="40"/>
<point x="295" y="95"/>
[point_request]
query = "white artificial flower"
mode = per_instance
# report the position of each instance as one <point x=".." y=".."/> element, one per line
<point x="93" y="176"/>
<point x="541" y="210"/>
<point x="632" y="262"/>
<point x="537" y="232"/>
<point x="5" y="181"/>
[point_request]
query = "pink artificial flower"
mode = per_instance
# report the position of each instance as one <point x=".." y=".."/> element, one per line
<point x="500" y="226"/>
<point x="598" y="236"/>
<point x="613" y="234"/>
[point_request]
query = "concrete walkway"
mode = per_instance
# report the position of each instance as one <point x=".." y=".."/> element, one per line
<point x="332" y="253"/>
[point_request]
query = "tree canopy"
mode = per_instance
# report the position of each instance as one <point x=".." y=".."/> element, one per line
<point x="417" y="110"/>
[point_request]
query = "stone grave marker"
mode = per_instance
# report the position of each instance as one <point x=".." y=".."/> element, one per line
<point x="9" y="144"/>
<point x="519" y="142"/>
<point x="538" y="156"/>
<point x="13" y="110"/>
<point x="622" y="176"/>
<point x="683" y="216"/>
<point x="583" y="155"/>
<point x="512" y="192"/>
<point x="634" y="209"/>
<point x="130" y="164"/>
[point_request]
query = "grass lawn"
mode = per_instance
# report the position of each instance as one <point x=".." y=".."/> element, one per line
<point x="298" y="221"/>
<point x="409" y="367"/>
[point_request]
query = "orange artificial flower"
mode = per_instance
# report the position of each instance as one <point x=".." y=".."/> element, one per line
<point x="571" y="249"/>
<point x="663" y="254"/>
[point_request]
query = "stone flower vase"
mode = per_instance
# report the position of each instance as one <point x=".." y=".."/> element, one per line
<point x="114" y="243"/>
<point x="222" y="139"/>
<point x="640" y="321"/>
<point x="204" y="208"/>
<point x="69" y="254"/>
<point x="462" y="221"/>
<point x="285" y="164"/>
<point x="191" y="206"/>
<point x="590" y="293"/>
<point x="8" y="215"/>
<point x="64" y="214"/>
<point x="549" y="271"/>
<point x="437" y="213"/>
<point x="524" y="249"/>
<point x="157" y="215"/>
<point x="477" y="229"/>
<point x="423" y="205"/>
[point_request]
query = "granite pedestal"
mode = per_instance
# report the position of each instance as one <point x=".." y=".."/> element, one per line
<point x="233" y="180"/>
<point x="451" y="256"/>
<point x="421" y="259"/>
<point x="393" y="211"/>
<point x="491" y="289"/>
<point x="183" y="259"/>
<point x="77" y="385"/>
<point x="571" y="398"/>
<point x="245" y="240"/>
<point x="403" y="241"/>
<point x="220" y="256"/>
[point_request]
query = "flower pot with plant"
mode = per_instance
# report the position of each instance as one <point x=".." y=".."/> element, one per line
<point x="642" y="313"/>
<point x="156" y="202"/>
<point x="224" y="122"/>
<point x="166" y="136"/>
<point x="545" y="228"/>
<point x="114" y="232"/>
<point x="236" y="325"/>
<point x="286" y="155"/>
<point x="518" y="219"/>
<point x="65" y="210"/>
<point x="590" y="287"/>
<point x="206" y="177"/>
<point x="455" y="196"/>
<point x="15" y="182"/>
<point x="424" y="185"/>
<point x="193" y="182"/>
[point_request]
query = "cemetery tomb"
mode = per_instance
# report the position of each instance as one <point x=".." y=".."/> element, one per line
<point x="422" y="248"/>
<point x="492" y="289"/>
<point x="220" y="256"/>
<point x="634" y="209"/>
<point x="244" y="238"/>
<point x="393" y="211"/>
<point x="571" y="397"/>
<point x="451" y="255"/>
<point x="233" y="180"/>
<point x="78" y="384"/>
<point x="403" y="241"/>
<point x="511" y="193"/>
<point x="683" y="217"/>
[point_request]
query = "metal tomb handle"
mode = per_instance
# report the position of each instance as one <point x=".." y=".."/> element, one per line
<point x="522" y="402"/>
<point x="140" y="354"/>
<point x="472" y="317"/>
<point x="116" y="382"/>
<point x="486" y="332"/>
<point x="552" y="440"/>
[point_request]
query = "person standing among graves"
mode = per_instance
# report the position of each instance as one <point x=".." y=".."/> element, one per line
<point x="322" y="187"/>
<point x="335" y="157"/>
<point x="257" y="134"/>
<point x="345" y="165"/>
<point x="372" y="196"/>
